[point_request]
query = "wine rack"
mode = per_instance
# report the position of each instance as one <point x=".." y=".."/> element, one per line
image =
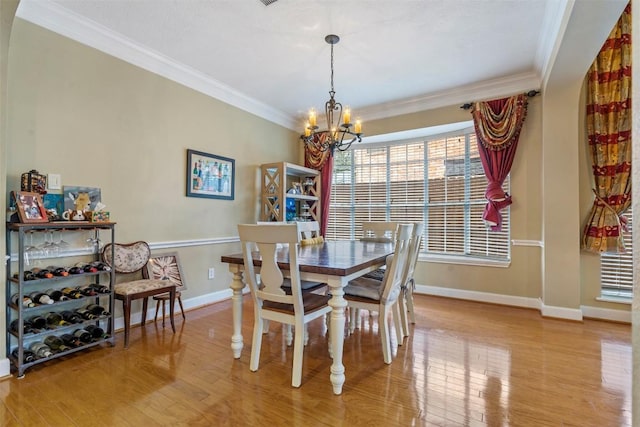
<point x="289" y="193"/>
<point x="21" y="337"/>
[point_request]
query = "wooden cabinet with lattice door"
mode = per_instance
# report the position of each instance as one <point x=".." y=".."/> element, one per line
<point x="296" y="186"/>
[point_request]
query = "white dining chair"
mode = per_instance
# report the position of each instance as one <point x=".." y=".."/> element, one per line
<point x="382" y="296"/>
<point x="379" y="231"/>
<point x="405" y="302"/>
<point x="271" y="301"/>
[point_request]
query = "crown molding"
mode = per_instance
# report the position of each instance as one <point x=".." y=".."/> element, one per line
<point x="487" y="89"/>
<point x="554" y="24"/>
<point x="66" y="23"/>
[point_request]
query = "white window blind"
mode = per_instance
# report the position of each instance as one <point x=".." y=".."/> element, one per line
<point x="616" y="270"/>
<point x="439" y="181"/>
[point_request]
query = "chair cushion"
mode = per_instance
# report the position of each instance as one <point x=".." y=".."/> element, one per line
<point x="364" y="287"/>
<point x="305" y="285"/>
<point x="376" y="274"/>
<point x="143" y="285"/>
<point x="377" y="239"/>
<point x="311" y="303"/>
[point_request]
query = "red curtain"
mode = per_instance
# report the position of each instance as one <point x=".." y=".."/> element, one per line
<point x="322" y="161"/>
<point x="498" y="124"/>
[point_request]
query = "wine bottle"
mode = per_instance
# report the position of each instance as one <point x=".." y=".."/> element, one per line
<point x="87" y="268"/>
<point x="41" y="350"/>
<point x="96" y="332"/>
<point x="58" y="271"/>
<point x="98" y="310"/>
<point x="40" y="298"/>
<point x="71" y="317"/>
<point x="27" y="355"/>
<point x="27" y="275"/>
<point x="55" y="319"/>
<point x="27" y="326"/>
<point x="82" y="335"/>
<point x="87" y="291"/>
<point x="86" y="314"/>
<point x="101" y="289"/>
<point x="101" y="266"/>
<point x="42" y="273"/>
<point x="26" y="301"/>
<point x="71" y="293"/>
<point x="76" y="270"/>
<point x="70" y="340"/>
<point x="55" y="344"/>
<point x="56" y="295"/>
<point x="38" y="322"/>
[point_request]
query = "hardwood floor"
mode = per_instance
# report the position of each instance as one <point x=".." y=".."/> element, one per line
<point x="466" y="364"/>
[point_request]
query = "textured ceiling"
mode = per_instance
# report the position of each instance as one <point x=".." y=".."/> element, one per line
<point x="393" y="57"/>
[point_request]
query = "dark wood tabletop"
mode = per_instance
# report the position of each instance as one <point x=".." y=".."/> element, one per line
<point x="333" y="257"/>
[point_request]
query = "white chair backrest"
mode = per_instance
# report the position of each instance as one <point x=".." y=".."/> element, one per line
<point x="414" y="250"/>
<point x="379" y="231"/>
<point x="268" y="240"/>
<point x="392" y="280"/>
<point x="308" y="229"/>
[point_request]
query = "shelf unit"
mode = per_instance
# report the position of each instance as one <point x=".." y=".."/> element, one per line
<point x="16" y="263"/>
<point x="277" y="180"/>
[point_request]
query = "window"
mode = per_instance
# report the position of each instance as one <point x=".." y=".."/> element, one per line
<point x="438" y="180"/>
<point x="616" y="270"/>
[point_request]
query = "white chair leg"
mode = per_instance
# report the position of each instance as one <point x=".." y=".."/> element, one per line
<point x="306" y="335"/>
<point x="404" y="316"/>
<point x="298" y="348"/>
<point x="352" y="319"/>
<point x="257" y="343"/>
<point x="288" y="335"/>
<point x="384" y="334"/>
<point x="397" y="323"/>
<point x="409" y="298"/>
<point x="265" y="326"/>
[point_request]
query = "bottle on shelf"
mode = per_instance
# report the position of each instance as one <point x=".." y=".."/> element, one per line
<point x="55" y="344"/>
<point x="70" y="340"/>
<point x="101" y="266"/>
<point x="38" y="322"/>
<point x="71" y="317"/>
<point x="56" y="295"/>
<point x="26" y="276"/>
<point x="40" y="298"/>
<point x="86" y="314"/>
<point x="42" y="273"/>
<point x="71" y="293"/>
<point x="83" y="335"/>
<point x="27" y="327"/>
<point x="58" y="271"/>
<point x="27" y="355"/>
<point x="41" y="350"/>
<point x="96" y="332"/>
<point x="87" y="268"/>
<point x="101" y="289"/>
<point x="55" y="319"/>
<point x="96" y="309"/>
<point x="87" y="291"/>
<point x="27" y="302"/>
<point x="76" y="270"/>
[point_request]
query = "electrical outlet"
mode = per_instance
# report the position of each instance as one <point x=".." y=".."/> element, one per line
<point x="212" y="273"/>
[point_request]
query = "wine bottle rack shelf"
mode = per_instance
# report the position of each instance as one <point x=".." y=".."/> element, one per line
<point x="19" y="340"/>
<point x="289" y="192"/>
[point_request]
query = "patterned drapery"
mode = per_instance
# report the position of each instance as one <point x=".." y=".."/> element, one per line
<point x="609" y="137"/>
<point x="322" y="161"/>
<point x="498" y="124"/>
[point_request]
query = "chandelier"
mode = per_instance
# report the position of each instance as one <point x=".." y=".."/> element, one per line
<point x="338" y="135"/>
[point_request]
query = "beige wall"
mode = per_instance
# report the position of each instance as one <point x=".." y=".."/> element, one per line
<point x="101" y="122"/>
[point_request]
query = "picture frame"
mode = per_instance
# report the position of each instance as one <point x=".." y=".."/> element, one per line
<point x="30" y="207"/>
<point x="210" y="176"/>
<point x="165" y="266"/>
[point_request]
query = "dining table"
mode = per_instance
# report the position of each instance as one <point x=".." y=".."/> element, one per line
<point x="334" y="262"/>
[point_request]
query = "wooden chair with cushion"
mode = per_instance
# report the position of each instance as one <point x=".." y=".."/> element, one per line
<point x="382" y="296"/>
<point x="379" y="231"/>
<point x="131" y="258"/>
<point x="270" y="301"/>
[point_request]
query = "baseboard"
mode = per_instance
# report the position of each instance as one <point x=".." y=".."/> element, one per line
<point x="478" y="296"/>
<point x="5" y="368"/>
<point x="536" y="303"/>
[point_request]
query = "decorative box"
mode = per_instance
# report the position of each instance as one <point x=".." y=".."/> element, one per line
<point x="34" y="182"/>
<point x="97" y="216"/>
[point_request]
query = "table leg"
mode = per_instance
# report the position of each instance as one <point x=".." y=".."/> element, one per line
<point x="338" y="304"/>
<point x="236" y="301"/>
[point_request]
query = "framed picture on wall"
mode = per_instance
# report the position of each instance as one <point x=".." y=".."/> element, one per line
<point x="210" y="176"/>
<point x="30" y="207"/>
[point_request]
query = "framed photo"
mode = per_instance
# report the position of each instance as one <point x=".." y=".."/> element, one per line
<point x="210" y="176"/>
<point x="30" y="207"/>
<point x="165" y="267"/>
